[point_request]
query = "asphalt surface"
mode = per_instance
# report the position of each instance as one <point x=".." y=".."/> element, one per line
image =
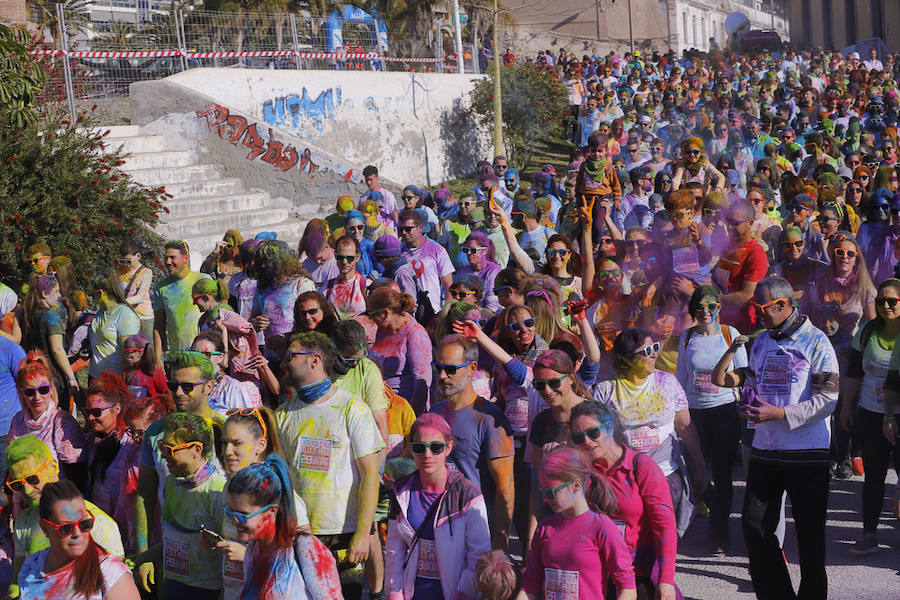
<point x="701" y="576"/>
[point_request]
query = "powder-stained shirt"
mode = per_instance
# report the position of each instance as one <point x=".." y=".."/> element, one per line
<point x="404" y="358"/>
<point x="173" y="297"/>
<point x="57" y="429"/>
<point x="323" y="441"/>
<point x="106" y="330"/>
<point x="364" y="380"/>
<point x="34" y="582"/>
<point x="279" y="576"/>
<point x="277" y="303"/>
<point x="30" y="538"/>
<point x="431" y="262"/>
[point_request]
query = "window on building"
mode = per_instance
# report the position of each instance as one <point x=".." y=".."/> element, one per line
<point x="684" y="22"/>
<point x="876" y="9"/>
<point x="850" y="20"/>
<point x="828" y="25"/>
<point x="806" y="15"/>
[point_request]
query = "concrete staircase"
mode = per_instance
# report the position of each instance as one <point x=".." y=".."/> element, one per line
<point x="205" y="203"/>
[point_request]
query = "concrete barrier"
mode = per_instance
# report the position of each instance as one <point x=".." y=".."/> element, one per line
<point x="414" y="126"/>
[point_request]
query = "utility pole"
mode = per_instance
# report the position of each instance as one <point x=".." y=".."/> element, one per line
<point x="457" y="38"/>
<point x="630" y="28"/>
<point x="498" y="104"/>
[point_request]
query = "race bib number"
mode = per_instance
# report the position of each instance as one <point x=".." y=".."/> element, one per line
<point x="703" y="383"/>
<point x="233" y="569"/>
<point x="427" y="567"/>
<point x="643" y="439"/>
<point x="721" y="277"/>
<point x="560" y="584"/>
<point x="685" y="260"/>
<point x="176" y="557"/>
<point x="517" y="414"/>
<point x="776" y="373"/>
<point x="315" y="454"/>
<point x="620" y="525"/>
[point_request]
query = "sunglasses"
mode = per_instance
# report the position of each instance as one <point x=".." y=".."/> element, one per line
<point x="41" y="389"/>
<point x="461" y="295"/>
<point x="606" y="241"/>
<point x="841" y="253"/>
<point x="123" y="261"/>
<point x="66" y="529"/>
<point x="471" y="250"/>
<point x="34" y="261"/>
<point x="826" y="218"/>
<point x="502" y="290"/>
<point x="96" y="412"/>
<point x="519" y="326"/>
<point x="855" y="190"/>
<point x="449" y="369"/>
<point x="710" y="211"/>
<point x="648" y="350"/>
<point x="309" y="312"/>
<point x="580" y="437"/>
<point x="435" y="447"/>
<point x="409" y="197"/>
<point x="678" y="214"/>
<point x="693" y="152"/>
<point x="550" y="493"/>
<point x="611" y="273"/>
<point x="170" y="450"/>
<point x="187" y="386"/>
<point x="762" y="307"/>
<point x="796" y="244"/>
<point x="638" y="243"/>
<point x="210" y="353"/>
<point x="798" y="209"/>
<point x="248" y="412"/>
<point x="343" y="258"/>
<point x="351" y="362"/>
<point x="17" y="485"/>
<point x="197" y="297"/>
<point x="406" y="229"/>
<point x="541" y="384"/>
<point x="241" y="518"/>
<point x="710" y="307"/>
<point x="561" y="252"/>
<point x="355" y="227"/>
<point x="468" y="203"/>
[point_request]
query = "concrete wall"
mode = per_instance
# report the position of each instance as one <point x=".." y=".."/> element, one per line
<point x="840" y="36"/>
<point x="413" y="126"/>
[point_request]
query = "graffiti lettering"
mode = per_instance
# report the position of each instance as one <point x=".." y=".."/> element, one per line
<point x="234" y="129"/>
<point x="291" y="109"/>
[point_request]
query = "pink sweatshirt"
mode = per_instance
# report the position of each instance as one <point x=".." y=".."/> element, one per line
<point x="644" y="503"/>
<point x="575" y="557"/>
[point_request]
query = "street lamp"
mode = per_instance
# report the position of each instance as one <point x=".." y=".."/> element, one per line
<point x="498" y="104"/>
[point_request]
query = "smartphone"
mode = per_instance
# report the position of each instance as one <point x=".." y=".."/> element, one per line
<point x="212" y="536"/>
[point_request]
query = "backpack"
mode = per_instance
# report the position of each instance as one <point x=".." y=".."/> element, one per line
<point x="726" y="333"/>
<point x="865" y="335"/>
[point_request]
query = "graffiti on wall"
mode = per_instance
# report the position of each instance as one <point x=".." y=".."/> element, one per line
<point x="290" y="110"/>
<point x="235" y="129"/>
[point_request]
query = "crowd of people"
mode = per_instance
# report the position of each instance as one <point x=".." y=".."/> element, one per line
<point x="567" y="368"/>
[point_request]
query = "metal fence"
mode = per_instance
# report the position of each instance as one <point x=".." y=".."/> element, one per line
<point x="94" y="54"/>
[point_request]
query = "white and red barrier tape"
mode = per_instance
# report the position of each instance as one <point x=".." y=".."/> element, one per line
<point x="249" y="54"/>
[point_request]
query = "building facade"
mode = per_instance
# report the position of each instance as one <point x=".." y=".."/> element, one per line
<point x="836" y="24"/>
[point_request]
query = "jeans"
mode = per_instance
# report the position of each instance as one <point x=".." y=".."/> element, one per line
<point x="806" y="485"/>
<point x="878" y="456"/>
<point x="522" y="479"/>
<point x="719" y="430"/>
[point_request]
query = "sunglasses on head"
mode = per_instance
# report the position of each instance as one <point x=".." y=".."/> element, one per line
<point x="580" y="437"/>
<point x="241" y="518"/>
<point x="17" y="485"/>
<point x="187" y="386"/>
<point x="554" y="384"/>
<point x="648" y="350"/>
<point x="41" y="389"/>
<point x="841" y="253"/>
<point x="524" y="324"/>
<point x="550" y="493"/>
<point x="434" y="447"/>
<point x="249" y="412"/>
<point x="449" y="369"/>
<point x="96" y="412"/>
<point x="66" y="529"/>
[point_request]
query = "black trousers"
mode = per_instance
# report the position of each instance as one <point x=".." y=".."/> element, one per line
<point x="878" y="456"/>
<point x="719" y="430"/>
<point x="806" y="484"/>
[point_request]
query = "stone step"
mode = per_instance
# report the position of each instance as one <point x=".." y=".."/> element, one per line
<point x="138" y="143"/>
<point x="289" y="231"/>
<point x="167" y="176"/>
<point x="121" y="131"/>
<point x="196" y="188"/>
<point x="219" y="205"/>
<point x="217" y="224"/>
<point x="154" y="160"/>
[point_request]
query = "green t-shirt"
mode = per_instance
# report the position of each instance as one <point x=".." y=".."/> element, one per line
<point x="173" y="296"/>
<point x="365" y="381"/>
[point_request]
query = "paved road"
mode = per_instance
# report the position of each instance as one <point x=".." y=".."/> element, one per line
<point x="876" y="577"/>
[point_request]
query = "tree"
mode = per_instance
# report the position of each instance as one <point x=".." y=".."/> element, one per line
<point x="533" y="105"/>
<point x="21" y="77"/>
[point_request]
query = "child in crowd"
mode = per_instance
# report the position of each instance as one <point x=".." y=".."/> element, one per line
<point x="495" y="576"/>
<point x="144" y="376"/>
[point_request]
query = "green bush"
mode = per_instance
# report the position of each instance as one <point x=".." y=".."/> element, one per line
<point x="533" y="102"/>
<point x="60" y="184"/>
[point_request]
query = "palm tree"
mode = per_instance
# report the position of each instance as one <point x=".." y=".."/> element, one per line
<point x="77" y="13"/>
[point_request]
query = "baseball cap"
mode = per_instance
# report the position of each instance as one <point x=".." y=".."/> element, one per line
<point x="803" y="200"/>
<point x="387" y="246"/>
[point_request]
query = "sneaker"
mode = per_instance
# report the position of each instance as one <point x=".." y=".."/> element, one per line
<point x="866" y="544"/>
<point x="857" y="464"/>
<point x="842" y="470"/>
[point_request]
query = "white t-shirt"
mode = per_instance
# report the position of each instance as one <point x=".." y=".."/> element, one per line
<point x="322" y="441"/>
<point x="696" y="363"/>
<point x="430" y="262"/>
<point x="57" y="585"/>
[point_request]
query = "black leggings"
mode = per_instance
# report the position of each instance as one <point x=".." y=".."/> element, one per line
<point x="719" y="430"/>
<point x="878" y="456"/>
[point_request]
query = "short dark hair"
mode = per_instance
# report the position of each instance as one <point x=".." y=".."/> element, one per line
<point x="129" y="247"/>
<point x="179" y="245"/>
<point x="348" y="336"/>
<point x="319" y="343"/>
<point x="370" y="170"/>
<point x="409" y="214"/>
